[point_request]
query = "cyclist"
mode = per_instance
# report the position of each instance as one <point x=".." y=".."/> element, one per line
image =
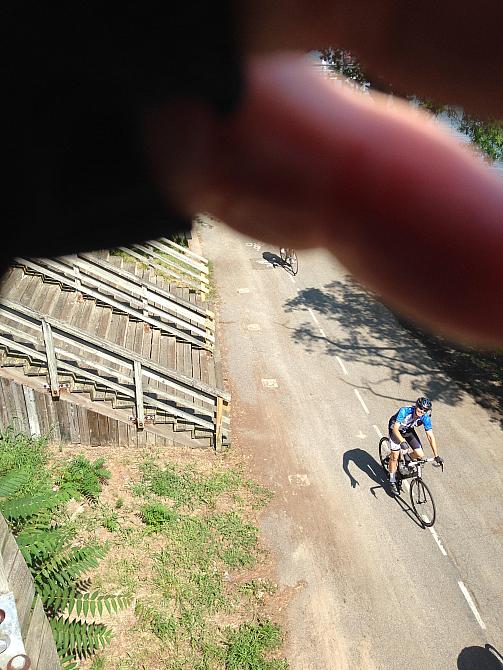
<point x="403" y="436"/>
<point x="287" y="253"/>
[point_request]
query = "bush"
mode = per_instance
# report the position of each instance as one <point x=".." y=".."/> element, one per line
<point x="85" y="477"/>
<point x="156" y="515"/>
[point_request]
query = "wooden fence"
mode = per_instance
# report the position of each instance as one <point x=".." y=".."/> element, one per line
<point x="24" y="628"/>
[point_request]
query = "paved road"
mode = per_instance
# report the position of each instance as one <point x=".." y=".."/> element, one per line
<point x="316" y="367"/>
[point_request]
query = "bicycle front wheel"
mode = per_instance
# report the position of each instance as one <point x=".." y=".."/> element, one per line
<point x="384" y="452"/>
<point x="422" y="502"/>
<point x="294" y="263"/>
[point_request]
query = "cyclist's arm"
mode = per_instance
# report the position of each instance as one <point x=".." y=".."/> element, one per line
<point x="432" y="441"/>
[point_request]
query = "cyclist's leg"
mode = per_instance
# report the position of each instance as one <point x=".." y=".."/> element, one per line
<point x="416" y="446"/>
<point x="394" y="455"/>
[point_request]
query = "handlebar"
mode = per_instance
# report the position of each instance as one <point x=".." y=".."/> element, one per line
<point x="422" y="461"/>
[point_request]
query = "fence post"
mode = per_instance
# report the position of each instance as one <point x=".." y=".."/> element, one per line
<point x="138" y="388"/>
<point x="52" y="366"/>
<point x="218" y="424"/>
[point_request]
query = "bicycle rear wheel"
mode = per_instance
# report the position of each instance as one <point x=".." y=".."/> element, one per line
<point x="294" y="263"/>
<point x="422" y="502"/>
<point x="282" y="253"/>
<point x="384" y="452"/>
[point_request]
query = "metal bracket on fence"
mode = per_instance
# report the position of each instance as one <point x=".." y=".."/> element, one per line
<point x="12" y="652"/>
<point x="61" y="387"/>
<point x="148" y="419"/>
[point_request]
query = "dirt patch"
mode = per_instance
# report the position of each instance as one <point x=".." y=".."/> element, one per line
<point x="141" y="634"/>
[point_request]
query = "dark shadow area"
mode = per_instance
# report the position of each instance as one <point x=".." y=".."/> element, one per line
<point x="273" y="259"/>
<point x="373" y="470"/>
<point x="370" y="332"/>
<point x="478" y="373"/>
<point x="367" y="464"/>
<point x="277" y="261"/>
<point x="480" y="658"/>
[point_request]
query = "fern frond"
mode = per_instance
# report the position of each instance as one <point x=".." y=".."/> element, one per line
<point x="21" y="508"/>
<point x="41" y="543"/>
<point x="77" y="639"/>
<point x="66" y="568"/>
<point x="68" y="663"/>
<point x="82" y="604"/>
<point x="12" y="482"/>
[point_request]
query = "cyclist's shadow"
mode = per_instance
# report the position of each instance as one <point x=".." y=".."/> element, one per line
<point x="480" y="658"/>
<point x="273" y="259"/>
<point x="276" y="261"/>
<point x="368" y="465"/>
<point x="373" y="469"/>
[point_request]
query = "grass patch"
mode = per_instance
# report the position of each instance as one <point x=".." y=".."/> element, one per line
<point x="180" y="540"/>
<point x="246" y="647"/>
<point x="186" y="487"/>
<point x="18" y="451"/>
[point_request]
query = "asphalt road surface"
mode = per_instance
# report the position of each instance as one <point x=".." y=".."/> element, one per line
<point x="316" y="367"/>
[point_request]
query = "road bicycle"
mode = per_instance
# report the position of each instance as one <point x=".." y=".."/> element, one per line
<point x="289" y="257"/>
<point x="420" y="495"/>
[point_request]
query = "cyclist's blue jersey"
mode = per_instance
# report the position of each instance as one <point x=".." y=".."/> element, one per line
<point x="405" y="417"/>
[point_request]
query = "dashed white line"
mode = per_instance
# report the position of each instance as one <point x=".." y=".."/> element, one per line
<point x="376" y="428"/>
<point x="322" y="332"/>
<point x="471" y="604"/>
<point x="341" y="363"/>
<point x="313" y="316"/>
<point x="365" y="408"/>
<point x="438" y="541"/>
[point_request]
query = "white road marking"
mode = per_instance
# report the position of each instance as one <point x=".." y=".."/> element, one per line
<point x="299" y="480"/>
<point x="313" y="316"/>
<point x="438" y="541"/>
<point x="471" y="604"/>
<point x="243" y="290"/>
<point x="365" y="408"/>
<point x="292" y="279"/>
<point x="270" y="383"/>
<point x="376" y="428"/>
<point x="341" y="363"/>
<point x="253" y="326"/>
<point x="360" y="435"/>
<point x="322" y="332"/>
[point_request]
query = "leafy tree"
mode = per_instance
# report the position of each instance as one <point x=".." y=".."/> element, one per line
<point x="486" y="135"/>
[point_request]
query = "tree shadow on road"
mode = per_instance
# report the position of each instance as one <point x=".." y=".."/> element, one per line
<point x="480" y="658"/>
<point x="365" y="330"/>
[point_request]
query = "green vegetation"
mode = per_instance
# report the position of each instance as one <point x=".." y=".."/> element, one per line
<point x="195" y="538"/>
<point x="179" y="541"/>
<point x="486" y="134"/>
<point x="245" y="647"/>
<point x="33" y="501"/>
<point x="84" y="477"/>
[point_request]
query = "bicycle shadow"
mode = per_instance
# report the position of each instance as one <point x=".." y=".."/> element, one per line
<point x="277" y="261"/>
<point x="373" y="470"/>
<point x="480" y="658"/>
<point x="273" y="259"/>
